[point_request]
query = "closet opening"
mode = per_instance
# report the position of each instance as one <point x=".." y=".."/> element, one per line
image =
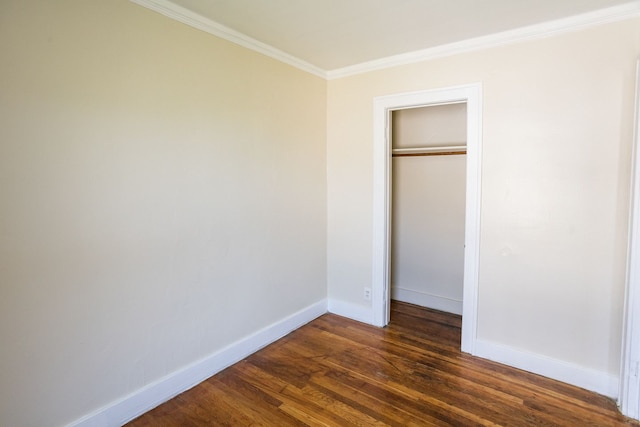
<point x="468" y="99"/>
<point x="427" y="197"/>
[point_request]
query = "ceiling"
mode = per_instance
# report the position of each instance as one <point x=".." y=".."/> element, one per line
<point x="334" y="34"/>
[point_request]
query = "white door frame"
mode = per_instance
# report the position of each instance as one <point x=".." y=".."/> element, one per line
<point x="629" y="400"/>
<point x="383" y="106"/>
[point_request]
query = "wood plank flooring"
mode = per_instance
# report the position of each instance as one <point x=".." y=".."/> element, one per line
<point x="338" y="372"/>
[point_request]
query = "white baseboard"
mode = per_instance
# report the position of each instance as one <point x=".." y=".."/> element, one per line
<point x="152" y="395"/>
<point x="589" y="379"/>
<point x="427" y="300"/>
<point x="352" y="311"/>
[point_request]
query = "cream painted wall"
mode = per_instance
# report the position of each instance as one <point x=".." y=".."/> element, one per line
<point x="427" y="233"/>
<point x="428" y="208"/>
<point x="557" y="130"/>
<point x="163" y="195"/>
<point x="438" y="125"/>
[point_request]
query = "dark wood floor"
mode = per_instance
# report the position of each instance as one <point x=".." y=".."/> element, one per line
<point x="338" y="372"/>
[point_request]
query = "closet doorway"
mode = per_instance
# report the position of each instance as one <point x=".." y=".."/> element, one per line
<point x="384" y="108"/>
<point x="429" y="146"/>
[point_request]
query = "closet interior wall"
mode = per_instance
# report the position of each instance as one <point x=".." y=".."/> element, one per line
<point x="428" y="206"/>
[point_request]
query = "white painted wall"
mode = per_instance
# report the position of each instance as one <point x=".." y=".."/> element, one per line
<point x="158" y="202"/>
<point x="557" y="130"/>
<point x="428" y="209"/>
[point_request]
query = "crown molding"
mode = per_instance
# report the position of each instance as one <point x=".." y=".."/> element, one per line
<point x="531" y="32"/>
<point x="179" y="13"/>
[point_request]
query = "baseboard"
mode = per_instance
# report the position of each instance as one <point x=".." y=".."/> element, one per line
<point x="352" y="311"/>
<point x="589" y="379"/>
<point x="427" y="300"/>
<point x="147" y="398"/>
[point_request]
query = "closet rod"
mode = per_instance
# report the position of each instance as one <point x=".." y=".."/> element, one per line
<point x="429" y="151"/>
<point x="441" y="153"/>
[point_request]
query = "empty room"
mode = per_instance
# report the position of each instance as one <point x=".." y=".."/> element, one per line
<point x="204" y="212"/>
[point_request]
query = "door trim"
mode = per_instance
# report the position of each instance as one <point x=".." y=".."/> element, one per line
<point x="629" y="399"/>
<point x="383" y="106"/>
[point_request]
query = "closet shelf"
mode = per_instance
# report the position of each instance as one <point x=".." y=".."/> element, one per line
<point x="429" y="151"/>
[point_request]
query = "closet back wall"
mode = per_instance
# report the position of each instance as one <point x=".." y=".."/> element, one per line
<point x="427" y="249"/>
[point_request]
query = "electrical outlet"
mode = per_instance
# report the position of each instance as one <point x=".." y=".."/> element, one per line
<point x="367" y="293"/>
